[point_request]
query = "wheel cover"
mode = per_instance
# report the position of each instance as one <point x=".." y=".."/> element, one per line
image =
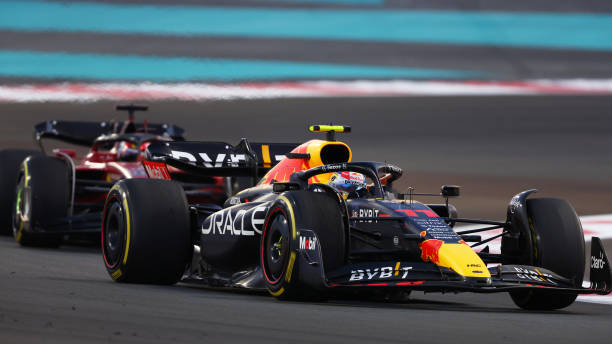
<point x="276" y="247"/>
<point x="113" y="234"/>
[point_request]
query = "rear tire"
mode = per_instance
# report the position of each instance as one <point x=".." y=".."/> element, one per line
<point x="559" y="247"/>
<point x="315" y="211"/>
<point x="42" y="197"/>
<point x="10" y="160"/>
<point x="146" y="233"/>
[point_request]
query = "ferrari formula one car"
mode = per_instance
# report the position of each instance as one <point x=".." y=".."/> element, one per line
<point x="63" y="195"/>
<point x="299" y="237"/>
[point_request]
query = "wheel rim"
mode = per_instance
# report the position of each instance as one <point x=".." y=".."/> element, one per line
<point x="113" y="234"/>
<point x="276" y="247"/>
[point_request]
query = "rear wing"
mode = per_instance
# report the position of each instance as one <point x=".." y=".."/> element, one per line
<point x="85" y="133"/>
<point x="76" y="132"/>
<point x="219" y="158"/>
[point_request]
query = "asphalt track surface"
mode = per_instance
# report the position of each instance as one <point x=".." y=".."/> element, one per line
<point x="66" y="296"/>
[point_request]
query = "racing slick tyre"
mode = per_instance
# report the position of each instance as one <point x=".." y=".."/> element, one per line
<point x="10" y="159"/>
<point x="315" y="211"/>
<point x="146" y="234"/>
<point x="559" y="247"/>
<point x="42" y="197"/>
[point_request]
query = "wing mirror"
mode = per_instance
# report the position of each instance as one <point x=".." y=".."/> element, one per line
<point x="450" y="190"/>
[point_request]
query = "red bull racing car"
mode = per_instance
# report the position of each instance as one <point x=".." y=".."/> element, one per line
<point x="301" y="234"/>
<point x="46" y="198"/>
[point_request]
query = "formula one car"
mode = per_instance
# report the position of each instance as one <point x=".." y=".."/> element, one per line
<point x="299" y="237"/>
<point x="63" y="195"/>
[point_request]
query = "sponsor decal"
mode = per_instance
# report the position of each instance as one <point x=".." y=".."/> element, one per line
<point x="245" y="222"/>
<point x="598" y="263"/>
<point x="222" y="160"/>
<point x="429" y="250"/>
<point x="368" y="212"/>
<point x="334" y="167"/>
<point x="533" y="275"/>
<point x="211" y="160"/>
<point x="308" y="243"/>
<point x="234" y="200"/>
<point x="384" y="272"/>
<point x="106" y="157"/>
<point x="156" y="170"/>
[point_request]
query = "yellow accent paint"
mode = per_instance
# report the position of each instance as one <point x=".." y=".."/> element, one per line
<point x="397" y="266"/>
<point x="116" y="274"/>
<point x="326" y="128"/>
<point x="277" y="293"/>
<point x="290" y="267"/>
<point x="463" y="260"/>
<point x="284" y="199"/>
<point x="127" y="220"/>
<point x="265" y="152"/>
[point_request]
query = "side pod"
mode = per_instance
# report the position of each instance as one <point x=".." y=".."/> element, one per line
<point x="600" y="267"/>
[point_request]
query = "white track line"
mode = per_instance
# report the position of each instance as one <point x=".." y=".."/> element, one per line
<point x="90" y="92"/>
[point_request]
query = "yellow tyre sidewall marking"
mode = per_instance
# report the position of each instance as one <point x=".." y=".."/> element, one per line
<point x="277" y="293"/>
<point x="25" y="185"/>
<point x="127" y="221"/>
<point x="27" y="177"/>
<point x="288" y="203"/>
<point x="116" y="274"/>
<point x="116" y="188"/>
<point x="290" y="267"/>
<point x="292" y="256"/>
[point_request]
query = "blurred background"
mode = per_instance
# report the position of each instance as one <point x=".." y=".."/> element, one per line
<point x="494" y="96"/>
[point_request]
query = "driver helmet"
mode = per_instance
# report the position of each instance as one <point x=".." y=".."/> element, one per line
<point x="127" y="151"/>
<point x="348" y="182"/>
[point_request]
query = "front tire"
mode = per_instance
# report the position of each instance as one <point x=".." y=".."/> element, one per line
<point x="559" y="247"/>
<point x="146" y="233"/>
<point x="315" y="211"/>
<point x="42" y="197"/>
<point x="10" y="160"/>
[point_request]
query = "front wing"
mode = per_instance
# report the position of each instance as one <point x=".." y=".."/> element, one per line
<point x="431" y="277"/>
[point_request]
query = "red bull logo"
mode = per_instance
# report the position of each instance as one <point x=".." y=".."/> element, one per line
<point x="429" y="250"/>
